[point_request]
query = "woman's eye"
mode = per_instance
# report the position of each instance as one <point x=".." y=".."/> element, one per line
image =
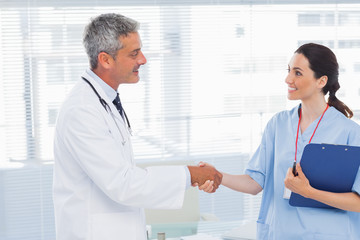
<point x="297" y="73"/>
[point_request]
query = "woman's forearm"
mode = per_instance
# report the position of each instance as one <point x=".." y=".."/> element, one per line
<point x="346" y="201"/>
<point x="241" y="183"/>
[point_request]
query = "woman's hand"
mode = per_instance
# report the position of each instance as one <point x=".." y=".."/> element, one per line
<point x="202" y="164"/>
<point x="348" y="201"/>
<point x="208" y="186"/>
<point x="298" y="184"/>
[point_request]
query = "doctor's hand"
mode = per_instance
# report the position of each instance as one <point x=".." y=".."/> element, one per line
<point x="202" y="187"/>
<point x="208" y="186"/>
<point x="199" y="175"/>
<point x="298" y="184"/>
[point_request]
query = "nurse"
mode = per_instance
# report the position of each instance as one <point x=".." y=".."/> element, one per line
<point x="312" y="73"/>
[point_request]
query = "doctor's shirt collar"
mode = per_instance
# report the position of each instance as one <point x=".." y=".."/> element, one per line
<point x="109" y="91"/>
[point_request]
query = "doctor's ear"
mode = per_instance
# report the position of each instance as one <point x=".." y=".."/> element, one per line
<point x="105" y="60"/>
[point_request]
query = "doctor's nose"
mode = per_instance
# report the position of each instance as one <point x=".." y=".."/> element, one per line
<point x="142" y="59"/>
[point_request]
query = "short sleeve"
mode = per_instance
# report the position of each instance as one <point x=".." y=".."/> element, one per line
<point x="354" y="140"/>
<point x="256" y="169"/>
<point x="356" y="186"/>
<point x="262" y="161"/>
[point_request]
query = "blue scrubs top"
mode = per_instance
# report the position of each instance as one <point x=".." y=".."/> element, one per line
<point x="268" y="167"/>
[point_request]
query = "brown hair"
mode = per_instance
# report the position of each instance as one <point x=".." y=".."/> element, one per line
<point x="323" y="62"/>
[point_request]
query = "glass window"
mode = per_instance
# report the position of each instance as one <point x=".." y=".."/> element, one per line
<point x="214" y="77"/>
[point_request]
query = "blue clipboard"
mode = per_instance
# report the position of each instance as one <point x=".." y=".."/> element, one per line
<point x="328" y="167"/>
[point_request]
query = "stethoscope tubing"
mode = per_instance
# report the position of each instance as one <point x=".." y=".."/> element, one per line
<point x="108" y="110"/>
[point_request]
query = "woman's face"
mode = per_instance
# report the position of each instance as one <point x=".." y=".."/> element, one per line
<point x="302" y="84"/>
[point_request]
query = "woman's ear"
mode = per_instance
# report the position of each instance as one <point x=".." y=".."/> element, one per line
<point x="322" y="81"/>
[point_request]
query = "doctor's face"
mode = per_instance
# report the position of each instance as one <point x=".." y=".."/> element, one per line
<point x="128" y="60"/>
<point x="302" y="84"/>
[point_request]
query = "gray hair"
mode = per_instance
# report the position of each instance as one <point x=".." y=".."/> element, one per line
<point x="102" y="35"/>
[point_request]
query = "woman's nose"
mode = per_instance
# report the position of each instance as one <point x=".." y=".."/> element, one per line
<point x="288" y="79"/>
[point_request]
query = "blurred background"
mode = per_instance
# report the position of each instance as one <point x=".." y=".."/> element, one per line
<point x="215" y="76"/>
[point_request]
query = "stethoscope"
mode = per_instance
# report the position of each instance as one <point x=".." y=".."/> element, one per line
<point x="108" y="109"/>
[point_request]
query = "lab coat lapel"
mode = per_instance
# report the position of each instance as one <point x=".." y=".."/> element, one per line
<point x="115" y="121"/>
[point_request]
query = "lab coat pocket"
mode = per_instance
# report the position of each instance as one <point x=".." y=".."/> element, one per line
<point x="113" y="226"/>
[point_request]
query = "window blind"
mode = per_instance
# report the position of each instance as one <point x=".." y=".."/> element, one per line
<point x="214" y="77"/>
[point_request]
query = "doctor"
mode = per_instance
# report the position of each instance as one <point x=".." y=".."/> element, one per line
<point x="312" y="73"/>
<point x="99" y="193"/>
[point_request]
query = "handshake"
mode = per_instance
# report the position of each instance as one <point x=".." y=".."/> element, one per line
<point x="200" y="174"/>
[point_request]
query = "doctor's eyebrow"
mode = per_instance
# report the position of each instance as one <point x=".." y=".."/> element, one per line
<point x="135" y="51"/>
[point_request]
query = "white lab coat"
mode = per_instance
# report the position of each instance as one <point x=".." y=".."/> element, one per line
<point x="99" y="193"/>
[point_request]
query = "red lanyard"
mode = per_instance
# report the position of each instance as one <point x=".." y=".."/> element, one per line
<point x="297" y="133"/>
